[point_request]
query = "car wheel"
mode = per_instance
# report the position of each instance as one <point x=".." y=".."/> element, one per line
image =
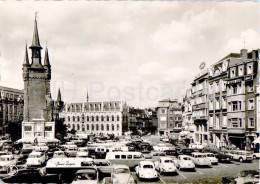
<point x="240" y="159"/>
<point x="254" y="157"/>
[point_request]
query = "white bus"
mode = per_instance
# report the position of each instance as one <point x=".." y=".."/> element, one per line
<point x="131" y="159"/>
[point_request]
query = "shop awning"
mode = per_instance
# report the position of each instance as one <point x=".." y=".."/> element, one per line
<point x="257" y="141"/>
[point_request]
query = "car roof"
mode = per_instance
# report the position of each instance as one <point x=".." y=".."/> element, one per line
<point x="146" y="162"/>
<point x="36" y="153"/>
<point x="166" y="158"/>
<point x="90" y="170"/>
<point x="197" y="153"/>
<point x="121" y="166"/>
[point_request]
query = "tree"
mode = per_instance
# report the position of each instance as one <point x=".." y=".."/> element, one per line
<point x="14" y="129"/>
<point x="60" y="129"/>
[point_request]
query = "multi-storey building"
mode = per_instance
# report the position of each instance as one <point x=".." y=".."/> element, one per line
<point x="169" y="113"/>
<point x="217" y="102"/>
<point x="100" y="118"/>
<point x="200" y="106"/>
<point x="243" y="77"/>
<point x="11" y="107"/>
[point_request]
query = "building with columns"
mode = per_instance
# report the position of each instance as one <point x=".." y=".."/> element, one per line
<point x="99" y="118"/>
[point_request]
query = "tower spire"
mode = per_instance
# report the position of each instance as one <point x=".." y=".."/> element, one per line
<point x="46" y="58"/>
<point x="36" y="40"/>
<point x="59" y="96"/>
<point x="26" y="59"/>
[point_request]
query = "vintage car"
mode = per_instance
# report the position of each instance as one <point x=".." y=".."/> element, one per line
<point x="86" y="175"/>
<point x="244" y="177"/>
<point x="160" y="147"/>
<point x="82" y="154"/>
<point x="241" y="156"/>
<point x="165" y="165"/>
<point x="212" y="158"/>
<point x="156" y="155"/>
<point x="5" y="161"/>
<point x="59" y="154"/>
<point x="104" y="166"/>
<point x="196" y="146"/>
<point x="71" y="150"/>
<point x="200" y="159"/>
<point x="184" y="162"/>
<point x="146" y="170"/>
<point x="184" y="151"/>
<point x="121" y="175"/>
<point x="35" y="159"/>
<point x="170" y="152"/>
<point x="223" y="156"/>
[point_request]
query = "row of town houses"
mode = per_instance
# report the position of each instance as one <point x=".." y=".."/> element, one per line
<point x="221" y="106"/>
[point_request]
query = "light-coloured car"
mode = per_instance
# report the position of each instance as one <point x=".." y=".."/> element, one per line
<point x="160" y="147"/>
<point x="71" y="150"/>
<point x="184" y="162"/>
<point x="200" y="159"/>
<point x="146" y="170"/>
<point x="59" y="154"/>
<point x="212" y="158"/>
<point x="196" y="146"/>
<point x="7" y="160"/>
<point x="35" y="159"/>
<point x="121" y="175"/>
<point x="241" y="156"/>
<point x="165" y="165"/>
<point x="86" y="175"/>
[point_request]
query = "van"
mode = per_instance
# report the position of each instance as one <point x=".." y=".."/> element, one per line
<point x="131" y="159"/>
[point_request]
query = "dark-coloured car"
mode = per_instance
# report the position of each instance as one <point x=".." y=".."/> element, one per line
<point x="185" y="151"/>
<point x="223" y="156"/>
<point x="171" y="153"/>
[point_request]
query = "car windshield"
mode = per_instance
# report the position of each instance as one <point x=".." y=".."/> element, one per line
<point x="87" y="176"/>
<point x="200" y="156"/>
<point x="148" y="166"/>
<point x="35" y="156"/>
<point x="122" y="170"/>
<point x="210" y="155"/>
<point x="186" y="158"/>
<point x="168" y="161"/>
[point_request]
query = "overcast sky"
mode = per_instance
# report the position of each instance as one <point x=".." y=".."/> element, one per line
<point x="140" y="52"/>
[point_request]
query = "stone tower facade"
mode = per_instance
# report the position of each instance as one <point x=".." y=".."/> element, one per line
<point x="36" y="78"/>
<point x="38" y="104"/>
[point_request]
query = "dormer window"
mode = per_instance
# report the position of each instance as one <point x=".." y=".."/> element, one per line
<point x="233" y="74"/>
<point x="240" y="71"/>
<point x="249" y="69"/>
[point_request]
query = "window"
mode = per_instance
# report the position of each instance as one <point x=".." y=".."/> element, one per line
<point x="92" y="127"/>
<point x="73" y="126"/>
<point x="250" y="88"/>
<point x="129" y="156"/>
<point x="113" y="118"/>
<point x="87" y="127"/>
<point x="236" y="106"/>
<point x="102" y="127"/>
<point x="240" y="71"/>
<point x="234" y="90"/>
<point x="235" y="123"/>
<point x="123" y="156"/>
<point x="83" y="128"/>
<point x="102" y="118"/>
<point x="48" y="128"/>
<point x="78" y="119"/>
<point x="113" y="127"/>
<point x="232" y="74"/>
<point x="27" y="128"/>
<point x="163" y="111"/>
<point x="117" y="127"/>
<point x="68" y="118"/>
<point x="97" y="127"/>
<point x="97" y="118"/>
<point x="107" y="118"/>
<point x="117" y="118"/>
<point x="92" y="118"/>
<point x="78" y="127"/>
<point x="250" y="104"/>
<point x="249" y="68"/>
<point x="117" y="156"/>
<point x="251" y="123"/>
<point x="87" y="118"/>
<point x="171" y="118"/>
<point x="73" y="118"/>
<point x="107" y="127"/>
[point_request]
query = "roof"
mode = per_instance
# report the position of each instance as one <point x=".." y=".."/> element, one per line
<point x="35" y="40"/>
<point x="235" y="61"/>
<point x="231" y="55"/>
<point x="90" y="170"/>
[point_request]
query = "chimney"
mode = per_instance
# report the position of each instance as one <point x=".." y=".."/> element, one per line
<point x="243" y="53"/>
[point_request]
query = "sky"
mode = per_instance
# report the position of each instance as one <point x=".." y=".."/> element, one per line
<point x="141" y="52"/>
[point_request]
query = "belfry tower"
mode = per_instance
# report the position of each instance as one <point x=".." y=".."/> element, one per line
<point x="38" y="104"/>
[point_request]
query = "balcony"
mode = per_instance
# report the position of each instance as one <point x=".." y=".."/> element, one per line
<point x="200" y="106"/>
<point x="236" y="130"/>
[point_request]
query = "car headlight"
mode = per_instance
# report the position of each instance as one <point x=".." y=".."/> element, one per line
<point x="131" y="180"/>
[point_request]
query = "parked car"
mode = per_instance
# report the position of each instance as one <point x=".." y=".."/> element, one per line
<point x="241" y="156"/>
<point x="244" y="177"/>
<point x="200" y="159"/>
<point x="146" y="170"/>
<point x="256" y="155"/>
<point x="59" y="154"/>
<point x="184" y="151"/>
<point x="7" y="160"/>
<point x="223" y="156"/>
<point x="156" y="155"/>
<point x="212" y="158"/>
<point x="71" y="150"/>
<point x="171" y="153"/>
<point x="165" y="165"/>
<point x="35" y="159"/>
<point x="196" y="146"/>
<point x="86" y="175"/>
<point x="104" y="166"/>
<point x="160" y="147"/>
<point x="121" y="175"/>
<point x="184" y="162"/>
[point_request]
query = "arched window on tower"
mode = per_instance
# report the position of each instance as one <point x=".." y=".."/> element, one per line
<point x="117" y="127"/>
<point x="73" y="118"/>
<point x="83" y="128"/>
<point x="97" y="118"/>
<point x="113" y="118"/>
<point x="92" y="127"/>
<point x="102" y="118"/>
<point x="87" y="127"/>
<point x="107" y="127"/>
<point x="97" y="127"/>
<point x="92" y="118"/>
<point x="117" y="118"/>
<point x="73" y="126"/>
<point x="113" y="127"/>
<point x="87" y="118"/>
<point x="78" y="118"/>
<point x="107" y="118"/>
<point x="68" y="118"/>
<point x="102" y="127"/>
<point x="78" y="127"/>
